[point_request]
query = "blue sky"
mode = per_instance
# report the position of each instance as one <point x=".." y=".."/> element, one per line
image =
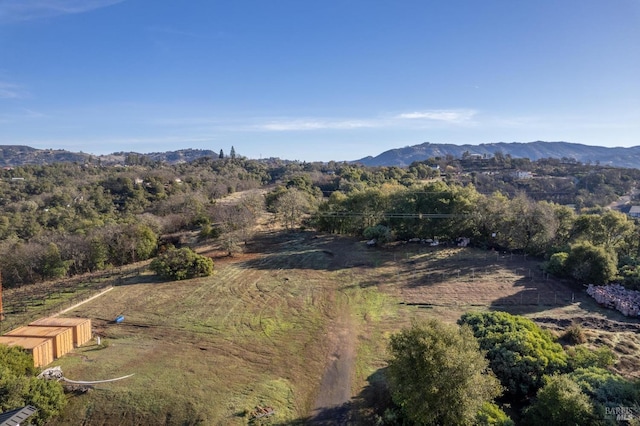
<point x="316" y="80"/>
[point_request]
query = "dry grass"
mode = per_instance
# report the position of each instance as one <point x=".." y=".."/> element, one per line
<point x="217" y="346"/>
<point x="207" y="351"/>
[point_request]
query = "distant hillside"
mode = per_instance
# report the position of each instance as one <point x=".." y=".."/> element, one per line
<point x="171" y="157"/>
<point x="18" y="155"/>
<point x="619" y="157"/>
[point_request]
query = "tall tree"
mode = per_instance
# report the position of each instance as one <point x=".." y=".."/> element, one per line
<point x="591" y="264"/>
<point x="52" y="264"/>
<point x="438" y="375"/>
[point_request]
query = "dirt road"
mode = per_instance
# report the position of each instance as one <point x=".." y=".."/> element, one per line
<point x="332" y="405"/>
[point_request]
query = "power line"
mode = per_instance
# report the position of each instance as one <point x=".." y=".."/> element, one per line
<point x="394" y="215"/>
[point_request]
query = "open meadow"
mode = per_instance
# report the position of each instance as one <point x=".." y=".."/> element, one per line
<point x="298" y="324"/>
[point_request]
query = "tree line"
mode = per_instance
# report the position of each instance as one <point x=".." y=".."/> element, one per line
<point x="67" y="218"/>
<point x="595" y="246"/>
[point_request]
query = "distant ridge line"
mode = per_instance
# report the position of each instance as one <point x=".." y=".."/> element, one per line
<point x="18" y="155"/>
<point x="402" y="157"/>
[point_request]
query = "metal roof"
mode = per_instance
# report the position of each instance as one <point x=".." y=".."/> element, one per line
<point x="17" y="416"/>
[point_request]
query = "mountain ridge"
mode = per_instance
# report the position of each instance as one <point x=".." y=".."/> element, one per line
<point x="617" y="156"/>
<point x="17" y="155"/>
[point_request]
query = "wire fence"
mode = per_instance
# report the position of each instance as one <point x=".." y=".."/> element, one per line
<point x="25" y="304"/>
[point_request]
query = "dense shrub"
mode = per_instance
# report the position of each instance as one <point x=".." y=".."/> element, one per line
<point x="574" y="335"/>
<point x="582" y="357"/>
<point x="560" y="402"/>
<point x="607" y="389"/>
<point x="491" y="415"/>
<point x="379" y="232"/>
<point x="19" y="386"/>
<point x="556" y="264"/>
<point x="520" y="353"/>
<point x="591" y="264"/>
<point x="182" y="264"/>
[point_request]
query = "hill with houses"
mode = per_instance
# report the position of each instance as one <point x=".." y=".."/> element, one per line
<point x="617" y="157"/>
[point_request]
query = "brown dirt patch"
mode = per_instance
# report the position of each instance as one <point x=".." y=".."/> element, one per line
<point x="334" y="392"/>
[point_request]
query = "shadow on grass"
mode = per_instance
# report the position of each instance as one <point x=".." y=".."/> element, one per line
<point x="309" y="250"/>
<point x="139" y="279"/>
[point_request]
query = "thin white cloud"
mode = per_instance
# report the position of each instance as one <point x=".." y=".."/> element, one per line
<point x="11" y="91"/>
<point x="20" y="115"/>
<point x="450" y="116"/>
<point x="313" y="124"/>
<point x="453" y="117"/>
<point x="424" y="119"/>
<point x="24" y="10"/>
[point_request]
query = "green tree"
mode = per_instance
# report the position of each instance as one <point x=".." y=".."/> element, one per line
<point x="16" y="361"/>
<point x="182" y="264"/>
<point x="52" y="264"/>
<point x="98" y="254"/>
<point x="491" y="415"/>
<point x="611" y="229"/>
<point x="557" y="264"/>
<point x="591" y="264"/>
<point x="520" y="353"/>
<point x="380" y="232"/>
<point x="146" y="242"/>
<point x="19" y="386"/>
<point x="560" y="402"/>
<point x="132" y="243"/>
<point x="47" y="396"/>
<point x="529" y="225"/>
<point x="489" y="219"/>
<point x="438" y="375"/>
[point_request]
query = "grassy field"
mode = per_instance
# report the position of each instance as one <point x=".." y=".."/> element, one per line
<point x="209" y="350"/>
<point x="262" y="330"/>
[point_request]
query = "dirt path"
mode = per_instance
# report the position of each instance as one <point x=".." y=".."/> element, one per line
<point x="332" y="405"/>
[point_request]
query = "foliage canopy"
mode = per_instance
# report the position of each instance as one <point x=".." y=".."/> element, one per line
<point x="520" y="353"/>
<point x="19" y="386"/>
<point x="181" y="264"/>
<point x="560" y="402"/>
<point x="438" y="375"/>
